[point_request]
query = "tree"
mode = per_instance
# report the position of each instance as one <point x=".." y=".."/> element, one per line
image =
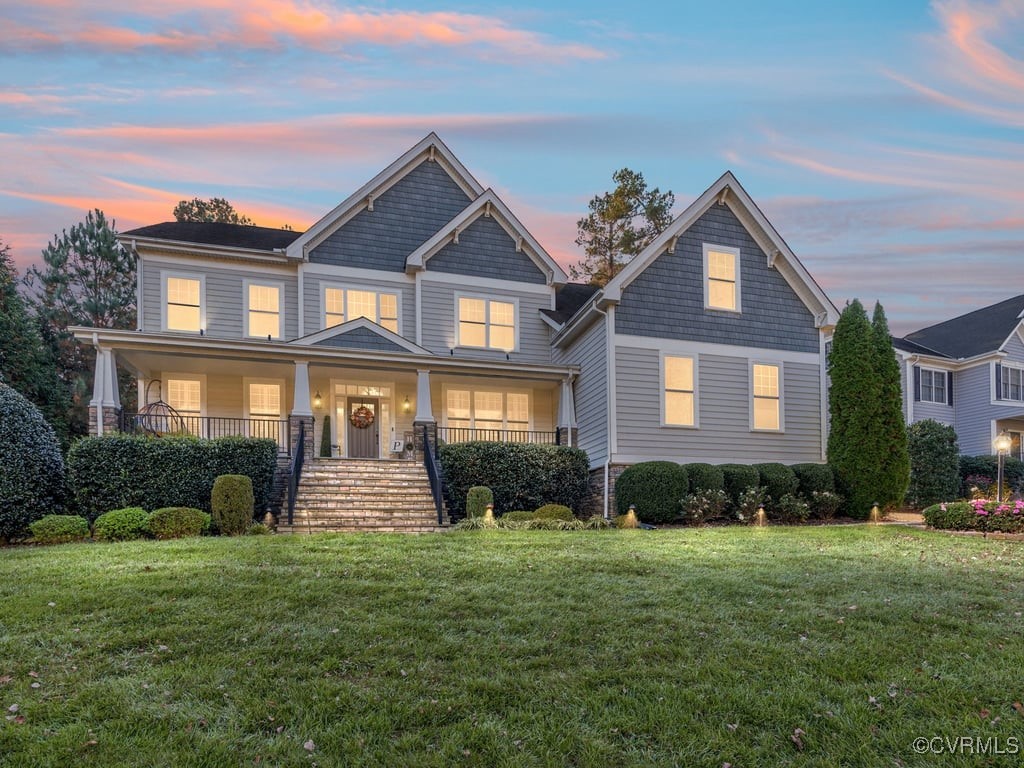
<point x="87" y="279"/>
<point x="26" y="363"/>
<point x="621" y="223"/>
<point x="934" y="463"/>
<point x="214" y="209"/>
<point x="894" y="467"/>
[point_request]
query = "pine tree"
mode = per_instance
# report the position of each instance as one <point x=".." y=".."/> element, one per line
<point x="894" y="470"/>
<point x="854" y="452"/>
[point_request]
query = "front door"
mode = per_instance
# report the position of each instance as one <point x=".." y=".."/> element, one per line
<point x="363" y="430"/>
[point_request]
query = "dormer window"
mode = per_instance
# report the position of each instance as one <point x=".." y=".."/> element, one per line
<point x="721" y="278"/>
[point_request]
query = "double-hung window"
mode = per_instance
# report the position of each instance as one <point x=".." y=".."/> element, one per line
<point x="680" y="402"/>
<point x="183" y="303"/>
<point x="933" y="386"/>
<point x="486" y="415"/>
<point x="263" y="312"/>
<point x="344" y="304"/>
<point x="721" y="277"/>
<point x="1011" y="383"/>
<point x="766" y="397"/>
<point x="487" y="323"/>
<point x="185" y="396"/>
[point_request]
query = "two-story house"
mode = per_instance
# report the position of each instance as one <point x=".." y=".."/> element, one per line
<point x="968" y="372"/>
<point x="421" y="305"/>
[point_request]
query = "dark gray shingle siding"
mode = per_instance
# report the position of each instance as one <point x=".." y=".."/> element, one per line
<point x="667" y="299"/>
<point x="402" y="219"/>
<point x="361" y="338"/>
<point x="486" y="250"/>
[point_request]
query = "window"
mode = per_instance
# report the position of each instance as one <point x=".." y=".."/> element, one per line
<point x="183" y="310"/>
<point x="679" y="392"/>
<point x="487" y="323"/>
<point x="1012" y="383"/>
<point x="265" y="410"/>
<point x="264" y="313"/>
<point x="344" y="304"/>
<point x="933" y="386"/>
<point x="721" y="278"/>
<point x="467" y="411"/>
<point x="186" y="397"/>
<point x="766" y="394"/>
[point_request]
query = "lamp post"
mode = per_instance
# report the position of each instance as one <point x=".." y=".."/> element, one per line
<point x="1002" y="445"/>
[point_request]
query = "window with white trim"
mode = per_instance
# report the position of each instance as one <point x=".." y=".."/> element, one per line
<point x="264" y="400"/>
<point x="344" y="304"/>
<point x="721" y="278"/>
<point x="264" y="310"/>
<point x="185" y="396"/>
<point x="487" y="323"/>
<point x="184" y="311"/>
<point x="680" y="391"/>
<point x="485" y="410"/>
<point x="933" y="386"/>
<point x="766" y="396"/>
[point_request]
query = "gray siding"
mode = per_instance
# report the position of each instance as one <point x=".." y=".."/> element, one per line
<point x="1015" y="349"/>
<point x="402" y="219"/>
<point x="486" y="250"/>
<point x="439" y="326"/>
<point x="225" y="300"/>
<point x="723" y="395"/>
<point x="313" y="311"/>
<point x="943" y="414"/>
<point x="667" y="299"/>
<point x="972" y="396"/>
<point x="361" y="338"/>
<point x="590" y="394"/>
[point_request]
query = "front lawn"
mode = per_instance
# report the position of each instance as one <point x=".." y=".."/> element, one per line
<point x="783" y="646"/>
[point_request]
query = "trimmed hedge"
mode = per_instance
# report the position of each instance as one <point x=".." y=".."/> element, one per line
<point x="478" y="498"/>
<point x="121" y="525"/>
<point x="115" y="471"/>
<point x="654" y="488"/>
<point x="777" y="479"/>
<point x="813" y="478"/>
<point x="979" y="515"/>
<point x="58" y="529"/>
<point x="232" y="503"/>
<point x="934" y="463"/>
<point x="739" y="478"/>
<point x="517" y="516"/>
<point x="554" y="512"/>
<point x="704" y="477"/>
<point x="32" y="478"/>
<point x="521" y="475"/>
<point x="177" y="522"/>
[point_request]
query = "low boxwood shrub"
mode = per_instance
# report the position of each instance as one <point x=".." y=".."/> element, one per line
<point x="478" y="498"/>
<point x="177" y="522"/>
<point x="934" y="463"/>
<point x="654" y="488"/>
<point x="121" y="525"/>
<point x="813" y="478"/>
<point x="58" y="529"/>
<point x="521" y="475"/>
<point x="114" y="471"/>
<point x="258" y="529"/>
<point x="554" y="512"/>
<point x="704" y="477"/>
<point x="777" y="479"/>
<point x="32" y="479"/>
<point x="738" y="478"/>
<point x="232" y="502"/>
<point x="517" y="516"/>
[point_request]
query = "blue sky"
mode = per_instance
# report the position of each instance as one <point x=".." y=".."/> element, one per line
<point x="883" y="140"/>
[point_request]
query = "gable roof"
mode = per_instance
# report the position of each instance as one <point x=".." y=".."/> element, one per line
<point x="728" y="191"/>
<point x="976" y="333"/>
<point x="488" y="204"/>
<point x="429" y="148"/>
<point x="359" y="327"/>
<point x="568" y="300"/>
<point x="217" y="233"/>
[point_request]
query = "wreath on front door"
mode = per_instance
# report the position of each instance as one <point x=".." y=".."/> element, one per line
<point x="361" y="418"/>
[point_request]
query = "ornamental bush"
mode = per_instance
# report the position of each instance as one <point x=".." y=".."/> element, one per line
<point x="934" y="463"/>
<point x="121" y="525"/>
<point x="654" y="488"/>
<point x="232" y="503"/>
<point x="704" y="477"/>
<point x="813" y="478"/>
<point x="824" y="504"/>
<point x="778" y="480"/>
<point x="517" y="516"/>
<point x="478" y="498"/>
<point x="701" y="506"/>
<point x="554" y="512"/>
<point x="177" y="522"/>
<point x="58" y="529"/>
<point x="789" y="509"/>
<point x="977" y="515"/>
<point x="987" y="467"/>
<point x="739" y="478"/>
<point x="32" y="479"/>
<point x="115" y="471"/>
<point x="521" y="475"/>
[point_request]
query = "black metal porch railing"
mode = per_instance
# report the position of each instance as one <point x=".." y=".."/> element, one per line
<point x="208" y="427"/>
<point x="436" y="474"/>
<point x="295" y="471"/>
<point x="466" y="434"/>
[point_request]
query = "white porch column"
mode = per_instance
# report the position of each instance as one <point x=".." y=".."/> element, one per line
<point x="566" y="406"/>
<point x="105" y="405"/>
<point x="113" y="394"/>
<point x="424" y="409"/>
<point x="300" y="404"/>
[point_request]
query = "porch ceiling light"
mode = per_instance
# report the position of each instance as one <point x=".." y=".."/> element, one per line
<point x="317" y="400"/>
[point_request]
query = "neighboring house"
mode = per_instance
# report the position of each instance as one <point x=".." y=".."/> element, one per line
<point x="422" y="305"/>
<point x="968" y="372"/>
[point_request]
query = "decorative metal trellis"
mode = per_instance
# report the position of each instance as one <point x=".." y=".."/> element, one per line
<point x="158" y="417"/>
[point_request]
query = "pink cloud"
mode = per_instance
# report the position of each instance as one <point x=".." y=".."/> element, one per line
<point x="968" y="27"/>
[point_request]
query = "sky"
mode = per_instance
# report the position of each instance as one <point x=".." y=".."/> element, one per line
<point x="884" y="140"/>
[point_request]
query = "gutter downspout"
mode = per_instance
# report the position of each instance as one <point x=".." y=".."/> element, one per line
<point x="607" y="416"/>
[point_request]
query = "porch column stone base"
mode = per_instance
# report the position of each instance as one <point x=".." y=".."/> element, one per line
<point x="293" y="437"/>
<point x="111" y="419"/>
<point x="568" y="436"/>
<point x="431" y="435"/>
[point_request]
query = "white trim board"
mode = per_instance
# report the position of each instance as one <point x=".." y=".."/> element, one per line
<point x="485" y="283"/>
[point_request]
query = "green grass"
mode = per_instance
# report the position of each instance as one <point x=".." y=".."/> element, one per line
<point x="611" y="648"/>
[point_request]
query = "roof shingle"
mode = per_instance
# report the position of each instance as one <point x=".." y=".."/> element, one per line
<point x="983" y="330"/>
<point x="218" y="233"/>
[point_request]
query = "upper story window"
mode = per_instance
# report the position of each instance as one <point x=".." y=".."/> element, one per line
<point x="721" y="278"/>
<point x="344" y="304"/>
<point x="933" y="386"/>
<point x="766" y="396"/>
<point x="263" y="314"/>
<point x="1011" y="383"/>
<point x="183" y="303"/>
<point x="679" y="391"/>
<point x="487" y="323"/>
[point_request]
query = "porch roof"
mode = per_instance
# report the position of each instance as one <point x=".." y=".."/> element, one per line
<point x="280" y="351"/>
